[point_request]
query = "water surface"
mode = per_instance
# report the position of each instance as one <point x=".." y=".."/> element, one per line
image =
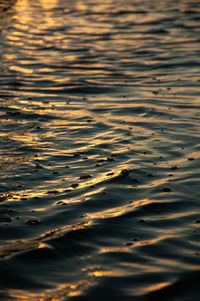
<point x="99" y="142"/>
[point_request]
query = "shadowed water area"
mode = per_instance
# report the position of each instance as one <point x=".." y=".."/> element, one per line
<point x="99" y="143"/>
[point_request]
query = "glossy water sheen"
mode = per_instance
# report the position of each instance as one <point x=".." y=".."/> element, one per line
<point x="99" y="141"/>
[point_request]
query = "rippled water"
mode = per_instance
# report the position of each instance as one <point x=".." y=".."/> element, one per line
<point x="99" y="141"/>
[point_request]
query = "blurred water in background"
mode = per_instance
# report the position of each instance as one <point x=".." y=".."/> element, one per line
<point x="99" y="142"/>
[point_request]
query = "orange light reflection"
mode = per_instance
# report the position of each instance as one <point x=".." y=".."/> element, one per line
<point x="120" y="210"/>
<point x="154" y="287"/>
<point x="58" y="294"/>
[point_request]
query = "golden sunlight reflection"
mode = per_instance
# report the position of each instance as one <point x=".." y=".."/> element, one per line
<point x="100" y="6"/>
<point x="150" y="288"/>
<point x="48" y="4"/>
<point x="48" y="7"/>
<point x="114" y="249"/>
<point x="107" y="273"/>
<point x="120" y="210"/>
<point x="58" y="294"/>
<point x="44" y="245"/>
<point x="134" y="244"/>
<point x="21" y="69"/>
<point x="26" y="138"/>
<point x="25" y="16"/>
<point x="81" y="5"/>
<point x="17" y="246"/>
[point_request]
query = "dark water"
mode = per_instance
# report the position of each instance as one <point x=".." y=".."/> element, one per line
<point x="100" y="150"/>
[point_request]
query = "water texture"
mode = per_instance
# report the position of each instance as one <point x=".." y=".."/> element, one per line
<point x="100" y="150"/>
